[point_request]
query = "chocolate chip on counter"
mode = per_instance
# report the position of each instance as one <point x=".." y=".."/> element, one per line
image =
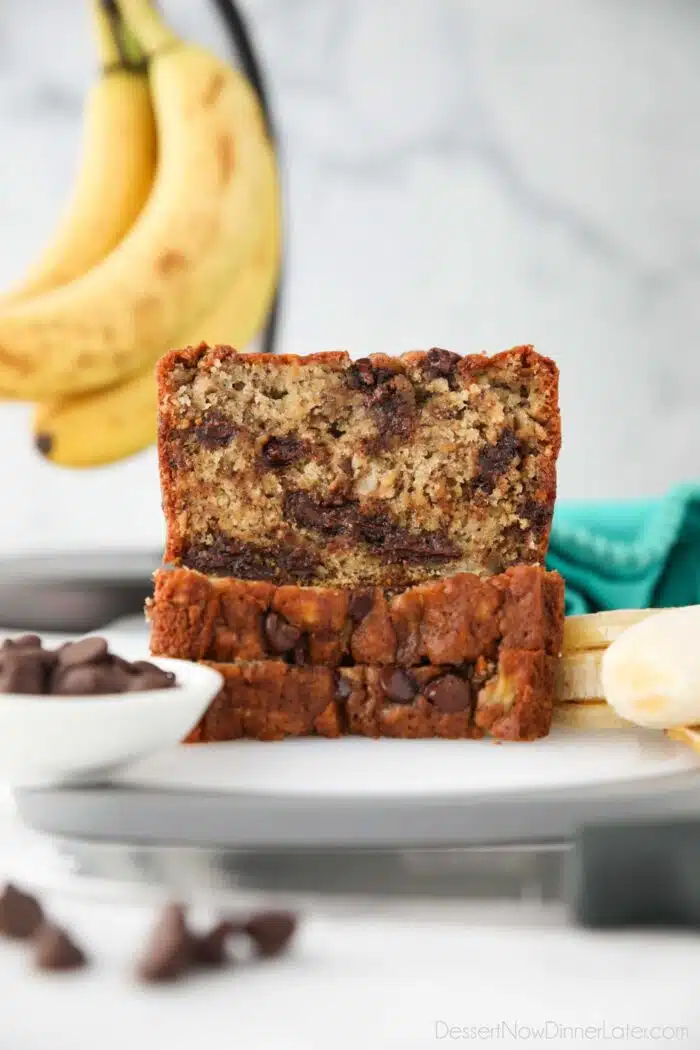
<point x="398" y="685"/>
<point x="170" y="950"/>
<point x="86" y="651"/>
<point x="271" y="931"/>
<point x="440" y="364"/>
<point x="21" y="914"/>
<point x="360" y="606"/>
<point x="281" y="635"/>
<point x="55" y="950"/>
<point x="343" y="687"/>
<point x="210" y="948"/>
<point x="448" y="693"/>
<point x="281" y="451"/>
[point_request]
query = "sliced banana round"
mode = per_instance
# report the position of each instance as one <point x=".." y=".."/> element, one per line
<point x="651" y="673"/>
<point x="599" y="630"/>
<point x="577" y="676"/>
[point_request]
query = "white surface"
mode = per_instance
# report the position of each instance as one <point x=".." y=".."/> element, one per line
<point x="355" y="768"/>
<point x="357" y="978"/>
<point x="458" y="173"/>
<point x="46" y="739"/>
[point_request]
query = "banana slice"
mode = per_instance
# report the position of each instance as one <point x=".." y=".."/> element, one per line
<point x="577" y="676"/>
<point x="651" y="673"/>
<point x="588" y="715"/>
<point x="599" y="630"/>
<point x="689" y="735"/>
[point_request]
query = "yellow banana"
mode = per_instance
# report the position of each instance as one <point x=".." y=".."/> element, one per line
<point x="96" y="428"/>
<point x="199" y="224"/>
<point x="115" y="173"/>
<point x="92" y="429"/>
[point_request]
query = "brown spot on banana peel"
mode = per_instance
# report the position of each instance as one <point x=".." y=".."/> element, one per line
<point x="213" y="89"/>
<point x="43" y="444"/>
<point x="170" y="261"/>
<point x="225" y="155"/>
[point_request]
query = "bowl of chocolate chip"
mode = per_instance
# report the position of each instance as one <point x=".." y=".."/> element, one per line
<point x="80" y="711"/>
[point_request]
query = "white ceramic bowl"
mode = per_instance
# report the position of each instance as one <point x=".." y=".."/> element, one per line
<point x="54" y="739"/>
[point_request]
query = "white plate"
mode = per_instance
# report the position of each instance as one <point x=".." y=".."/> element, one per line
<point x="49" y="740"/>
<point x="359" y="768"/>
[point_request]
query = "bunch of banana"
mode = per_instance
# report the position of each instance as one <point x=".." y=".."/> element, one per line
<point x="154" y="252"/>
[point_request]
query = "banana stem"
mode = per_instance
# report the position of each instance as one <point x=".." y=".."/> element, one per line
<point x="147" y="26"/>
<point x="116" y="46"/>
<point x="105" y="20"/>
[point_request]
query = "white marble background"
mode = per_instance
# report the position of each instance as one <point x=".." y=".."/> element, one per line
<point x="459" y="173"/>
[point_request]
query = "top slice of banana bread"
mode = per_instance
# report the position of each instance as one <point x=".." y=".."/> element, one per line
<point x="382" y="471"/>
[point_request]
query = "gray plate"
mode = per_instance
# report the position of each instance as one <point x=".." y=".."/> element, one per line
<point x="74" y="592"/>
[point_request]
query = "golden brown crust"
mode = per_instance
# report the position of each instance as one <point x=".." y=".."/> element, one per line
<point x="516" y="702"/>
<point x="335" y="523"/>
<point x="450" y="621"/>
<point x="269" y="700"/>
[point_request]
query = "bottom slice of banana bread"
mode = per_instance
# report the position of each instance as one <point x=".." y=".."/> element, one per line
<point x="511" y="699"/>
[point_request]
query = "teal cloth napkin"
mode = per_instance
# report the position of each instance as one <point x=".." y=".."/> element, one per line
<point x="628" y="554"/>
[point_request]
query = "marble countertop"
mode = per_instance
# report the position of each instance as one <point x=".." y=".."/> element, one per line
<point x="460" y="174"/>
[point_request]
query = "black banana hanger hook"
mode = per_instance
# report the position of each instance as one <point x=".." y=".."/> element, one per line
<point x="241" y="39"/>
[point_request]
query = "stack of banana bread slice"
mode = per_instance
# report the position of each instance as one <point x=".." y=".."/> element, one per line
<point x="358" y="546"/>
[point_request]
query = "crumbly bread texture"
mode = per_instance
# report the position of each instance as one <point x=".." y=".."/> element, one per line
<point x="510" y="699"/>
<point x="449" y="621"/>
<point x="383" y="471"/>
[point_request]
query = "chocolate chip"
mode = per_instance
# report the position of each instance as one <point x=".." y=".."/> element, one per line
<point x="398" y="685"/>
<point x="170" y="950"/>
<point x="281" y="451"/>
<point x="300" y="656"/>
<point x="271" y="931"/>
<point x="148" y="676"/>
<point x="361" y="374"/>
<point x="214" y="431"/>
<point x="210" y="948"/>
<point x="20" y="914"/>
<point x="400" y="544"/>
<point x="360" y="605"/>
<point x="86" y="680"/>
<point x="86" y="651"/>
<point x="538" y="514"/>
<point x="280" y="634"/>
<point x="493" y="460"/>
<point x="448" y="693"/>
<point x="225" y="556"/>
<point x="343" y="687"/>
<point x="331" y="519"/>
<point x="22" y="671"/>
<point x="27" y="641"/>
<point x="440" y="364"/>
<point x="55" y="950"/>
<point x="393" y="409"/>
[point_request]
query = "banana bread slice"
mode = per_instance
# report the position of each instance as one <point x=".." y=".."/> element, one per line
<point x="385" y="471"/>
<point x="510" y="698"/>
<point x="453" y="620"/>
